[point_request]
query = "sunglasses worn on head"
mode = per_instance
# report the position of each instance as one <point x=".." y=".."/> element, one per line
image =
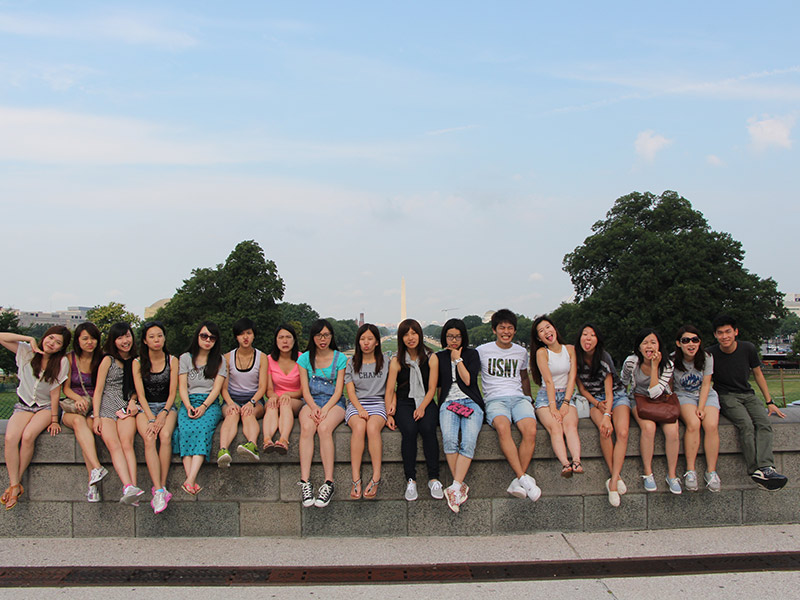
<point x="690" y="340"/>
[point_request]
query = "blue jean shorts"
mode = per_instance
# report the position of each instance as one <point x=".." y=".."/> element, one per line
<point x="451" y="424"/>
<point x="712" y="400"/>
<point x="543" y="402"/>
<point x="514" y="408"/>
<point x="620" y="399"/>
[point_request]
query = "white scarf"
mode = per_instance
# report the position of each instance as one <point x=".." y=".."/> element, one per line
<point x="416" y="387"/>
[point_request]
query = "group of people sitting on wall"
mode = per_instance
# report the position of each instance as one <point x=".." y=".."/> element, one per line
<point x="116" y="390"/>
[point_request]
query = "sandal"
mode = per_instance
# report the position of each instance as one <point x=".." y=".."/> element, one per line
<point x="268" y="446"/>
<point x="281" y="446"/>
<point x="372" y="489"/>
<point x="6" y="496"/>
<point x="11" y="501"/>
<point x="566" y="471"/>
<point x="355" y="492"/>
<point x="188" y="488"/>
<point x="197" y="489"/>
<point x="577" y="468"/>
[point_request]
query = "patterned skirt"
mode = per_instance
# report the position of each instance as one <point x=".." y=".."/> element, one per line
<point x="192" y="437"/>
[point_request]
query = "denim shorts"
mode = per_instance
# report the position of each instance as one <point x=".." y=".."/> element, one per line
<point x="451" y="424"/>
<point x="157" y="407"/>
<point x="514" y="408"/>
<point x="620" y="399"/>
<point x="543" y="402"/>
<point x="712" y="400"/>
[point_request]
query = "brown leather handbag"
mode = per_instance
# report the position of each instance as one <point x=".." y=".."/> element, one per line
<point x="664" y="409"/>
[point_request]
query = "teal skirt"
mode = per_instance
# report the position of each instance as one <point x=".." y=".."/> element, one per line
<point x="192" y="437"/>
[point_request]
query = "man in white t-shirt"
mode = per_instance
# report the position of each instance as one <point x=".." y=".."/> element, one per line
<point x="507" y="394"/>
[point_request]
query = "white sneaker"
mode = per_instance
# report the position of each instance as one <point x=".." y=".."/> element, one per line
<point x="712" y="481"/>
<point x="97" y="475"/>
<point x="516" y="490"/>
<point x="93" y="495"/>
<point x="690" y="481"/>
<point x="411" y="490"/>
<point x="130" y="495"/>
<point x="613" y="497"/>
<point x="158" y="503"/>
<point x="532" y="490"/>
<point x="437" y="491"/>
<point x="621" y="487"/>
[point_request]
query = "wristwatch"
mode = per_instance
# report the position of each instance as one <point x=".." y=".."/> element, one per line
<point x="253" y="401"/>
<point x="458" y="360"/>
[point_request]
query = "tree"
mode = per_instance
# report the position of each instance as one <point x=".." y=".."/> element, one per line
<point x="298" y="314"/>
<point x="9" y="322"/>
<point x="245" y="285"/>
<point x="788" y="326"/>
<point x="654" y="261"/>
<point x="345" y="332"/>
<point x="796" y="347"/>
<point x="108" y="314"/>
<point x="432" y="331"/>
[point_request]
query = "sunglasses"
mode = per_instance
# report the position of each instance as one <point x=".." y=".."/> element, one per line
<point x="690" y="340"/>
<point x="207" y="337"/>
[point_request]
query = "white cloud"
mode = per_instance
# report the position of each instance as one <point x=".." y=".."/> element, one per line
<point x="128" y="29"/>
<point x="535" y="277"/>
<point x="648" y="144"/>
<point x="715" y="160"/>
<point x="770" y="131"/>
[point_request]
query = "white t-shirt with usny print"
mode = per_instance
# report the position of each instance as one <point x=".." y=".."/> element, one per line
<point x="500" y="370"/>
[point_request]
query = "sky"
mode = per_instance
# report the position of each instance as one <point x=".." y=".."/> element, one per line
<point x="464" y="146"/>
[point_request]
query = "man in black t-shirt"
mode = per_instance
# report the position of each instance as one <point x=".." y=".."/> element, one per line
<point x="733" y="362"/>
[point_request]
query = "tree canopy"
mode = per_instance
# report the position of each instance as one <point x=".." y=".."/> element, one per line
<point x="108" y="314"/>
<point x="654" y="261"/>
<point x="9" y="322"/>
<point x="245" y="285"/>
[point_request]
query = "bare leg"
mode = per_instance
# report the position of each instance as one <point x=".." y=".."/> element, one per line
<point x="461" y="467"/>
<point x="606" y="443"/>
<point x="165" y="450"/>
<point x="527" y="427"/>
<point x="126" y="429"/>
<point x="229" y="427"/>
<point x="570" y="426"/>
<point x="374" y="427"/>
<point x="711" y="437"/>
<point x="672" y="446"/>
<point x="150" y="450"/>
<point x="622" y="419"/>
<point x="192" y="465"/>
<point x="646" y="442"/>
<point x="556" y="431"/>
<point x="85" y="436"/>
<point x="358" y="427"/>
<point x="691" y="437"/>
<point x="270" y="423"/>
<point x="112" y="442"/>
<point x="326" y="446"/>
<point x="250" y="424"/>
<point x="502" y="426"/>
<point x="308" y="427"/>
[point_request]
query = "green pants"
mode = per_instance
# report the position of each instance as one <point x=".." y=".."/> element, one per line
<point x="747" y="412"/>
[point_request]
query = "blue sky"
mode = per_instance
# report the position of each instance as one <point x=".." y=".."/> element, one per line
<point x="464" y="146"/>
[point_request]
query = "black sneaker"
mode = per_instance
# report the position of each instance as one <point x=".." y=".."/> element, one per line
<point x="306" y="493"/>
<point x="769" y="478"/>
<point x="324" y="495"/>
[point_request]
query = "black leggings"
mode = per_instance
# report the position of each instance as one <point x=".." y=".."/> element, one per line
<point x="426" y="427"/>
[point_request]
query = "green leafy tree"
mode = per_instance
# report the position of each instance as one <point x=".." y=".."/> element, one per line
<point x="345" y="332"/>
<point x="9" y="322"/>
<point x="789" y="325"/>
<point x="245" y="285"/>
<point x="796" y="347"/>
<point x="298" y="313"/>
<point x="108" y="314"/>
<point x="433" y="331"/>
<point x="654" y="261"/>
<point x="471" y="321"/>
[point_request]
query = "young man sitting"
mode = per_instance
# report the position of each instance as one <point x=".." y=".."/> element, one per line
<point x="507" y="395"/>
<point x="733" y="362"/>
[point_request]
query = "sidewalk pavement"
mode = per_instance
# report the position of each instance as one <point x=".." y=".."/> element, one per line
<point x="310" y="552"/>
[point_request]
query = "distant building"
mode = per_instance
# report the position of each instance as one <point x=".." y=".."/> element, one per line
<point x="792" y="303"/>
<point x="151" y="310"/>
<point x="72" y="317"/>
<point x="360" y="319"/>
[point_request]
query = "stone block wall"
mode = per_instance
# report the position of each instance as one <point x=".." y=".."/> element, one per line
<point x="262" y="499"/>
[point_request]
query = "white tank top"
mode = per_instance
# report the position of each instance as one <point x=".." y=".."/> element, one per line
<point x="559" y="366"/>
<point x="243" y="382"/>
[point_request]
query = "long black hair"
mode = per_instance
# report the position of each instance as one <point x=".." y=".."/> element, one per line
<point x="316" y="328"/>
<point x="599" y="350"/>
<point x="536" y="343"/>
<point x="214" y="355"/>
<point x="116" y="331"/>
<point x="422" y="350"/>
<point x="144" y="350"/>
<point x="358" y="356"/>
<point x="97" y="353"/>
<point x="699" y="358"/>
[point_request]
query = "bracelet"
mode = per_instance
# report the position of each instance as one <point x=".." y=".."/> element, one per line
<point x="606" y="414"/>
<point x="54" y="419"/>
<point x="166" y="410"/>
<point x="770" y="402"/>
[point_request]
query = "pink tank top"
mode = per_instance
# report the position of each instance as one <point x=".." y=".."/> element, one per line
<point x="282" y="383"/>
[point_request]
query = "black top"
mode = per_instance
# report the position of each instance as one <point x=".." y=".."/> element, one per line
<point x="732" y="371"/>
<point x="472" y="361"/>
<point x="402" y="381"/>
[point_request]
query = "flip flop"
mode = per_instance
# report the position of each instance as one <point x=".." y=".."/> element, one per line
<point x="577" y="468"/>
<point x="372" y="489"/>
<point x="12" y="499"/>
<point x="268" y="446"/>
<point x="281" y="446"/>
<point x="189" y="489"/>
<point x="566" y="471"/>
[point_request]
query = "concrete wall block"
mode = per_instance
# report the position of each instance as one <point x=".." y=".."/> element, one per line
<point x="104" y="519"/>
<point x="37" y="519"/>
<point x="392" y="484"/>
<point x="786" y="435"/>
<point x="731" y="470"/>
<point x="270" y="519"/>
<point x="185" y="519"/>
<point x="359" y="519"/>
<point x="694" y="509"/>
<point x="788" y="463"/>
<point x="599" y="515"/>
<point x="548" y="477"/>
<point x="56" y="449"/>
<point x="239" y="482"/>
<point x="57" y="483"/>
<point x="761" y="506"/>
<point x="435" y="518"/>
<point x="515" y="515"/>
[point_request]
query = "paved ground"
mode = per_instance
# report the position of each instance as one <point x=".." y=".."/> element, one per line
<point x="407" y="551"/>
